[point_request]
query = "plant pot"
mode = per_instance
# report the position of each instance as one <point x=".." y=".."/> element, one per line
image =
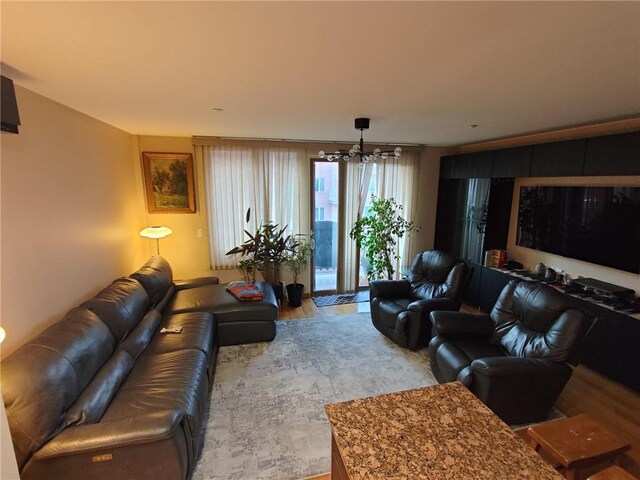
<point x="278" y="290"/>
<point x="294" y="292"/>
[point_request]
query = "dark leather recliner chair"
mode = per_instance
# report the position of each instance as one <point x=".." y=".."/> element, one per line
<point x="400" y="308"/>
<point x="516" y="360"/>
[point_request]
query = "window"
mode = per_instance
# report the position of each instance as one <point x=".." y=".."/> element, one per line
<point x="266" y="179"/>
<point x="318" y="214"/>
<point x="319" y="185"/>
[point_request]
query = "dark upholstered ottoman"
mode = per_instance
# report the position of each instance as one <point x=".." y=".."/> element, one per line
<point x="238" y="322"/>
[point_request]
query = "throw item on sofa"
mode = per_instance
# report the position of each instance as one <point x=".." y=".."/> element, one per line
<point x="245" y="291"/>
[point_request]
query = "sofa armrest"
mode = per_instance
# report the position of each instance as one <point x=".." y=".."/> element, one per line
<point x="390" y="288"/>
<point x="96" y="436"/>
<point x="452" y="323"/>
<point x="432" y="304"/>
<point x="196" y="282"/>
<point x="512" y="366"/>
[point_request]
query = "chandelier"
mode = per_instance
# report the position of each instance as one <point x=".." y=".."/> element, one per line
<point x="358" y="150"/>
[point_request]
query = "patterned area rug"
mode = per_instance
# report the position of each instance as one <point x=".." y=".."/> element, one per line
<point x="339" y="299"/>
<point x="266" y="418"/>
<point x="266" y="415"/>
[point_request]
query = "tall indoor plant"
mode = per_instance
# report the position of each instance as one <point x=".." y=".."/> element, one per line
<point x="378" y="233"/>
<point x="296" y="262"/>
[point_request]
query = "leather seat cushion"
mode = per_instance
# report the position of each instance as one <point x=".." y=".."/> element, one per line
<point x="388" y="310"/>
<point x="168" y="381"/>
<point x="197" y="333"/>
<point x="227" y="308"/>
<point x="451" y="358"/>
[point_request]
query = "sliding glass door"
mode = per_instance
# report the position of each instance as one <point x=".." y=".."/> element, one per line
<point x="325" y="211"/>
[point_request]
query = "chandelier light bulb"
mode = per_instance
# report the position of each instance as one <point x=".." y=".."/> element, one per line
<point x="359" y="150"/>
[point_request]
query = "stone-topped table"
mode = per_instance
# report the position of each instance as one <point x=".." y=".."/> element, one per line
<point x="438" y="432"/>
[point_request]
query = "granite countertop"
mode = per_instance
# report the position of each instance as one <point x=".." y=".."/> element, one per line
<point x="437" y="432"/>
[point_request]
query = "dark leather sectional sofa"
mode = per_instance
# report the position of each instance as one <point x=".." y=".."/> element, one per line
<point x="103" y="394"/>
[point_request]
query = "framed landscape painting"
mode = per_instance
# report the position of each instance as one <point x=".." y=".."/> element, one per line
<point x="168" y="182"/>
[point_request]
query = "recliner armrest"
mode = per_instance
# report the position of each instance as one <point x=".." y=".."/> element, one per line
<point x="390" y="288"/>
<point x="452" y="323"/>
<point x="431" y="304"/>
<point x="512" y="366"/>
<point x="196" y="282"/>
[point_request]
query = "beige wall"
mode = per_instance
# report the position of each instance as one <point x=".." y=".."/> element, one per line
<point x="187" y="254"/>
<point x="529" y="258"/>
<point x="71" y="205"/>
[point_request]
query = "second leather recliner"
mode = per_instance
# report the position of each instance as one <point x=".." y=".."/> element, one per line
<point x="400" y="308"/>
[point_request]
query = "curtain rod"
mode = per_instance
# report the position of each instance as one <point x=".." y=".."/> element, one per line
<point x="195" y="138"/>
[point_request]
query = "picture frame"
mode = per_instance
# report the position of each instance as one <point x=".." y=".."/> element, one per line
<point x="168" y="182"/>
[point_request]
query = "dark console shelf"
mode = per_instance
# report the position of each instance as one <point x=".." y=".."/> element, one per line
<point x="612" y="347"/>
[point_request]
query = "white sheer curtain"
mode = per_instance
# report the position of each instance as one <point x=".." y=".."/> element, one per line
<point x="262" y="177"/>
<point x="399" y="179"/>
<point x="393" y="178"/>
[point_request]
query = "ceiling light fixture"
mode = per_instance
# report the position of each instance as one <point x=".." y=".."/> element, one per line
<point x="358" y="150"/>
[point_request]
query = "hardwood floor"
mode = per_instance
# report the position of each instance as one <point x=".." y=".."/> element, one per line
<point x="612" y="404"/>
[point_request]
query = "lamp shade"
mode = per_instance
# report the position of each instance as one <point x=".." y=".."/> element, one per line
<point x="156" y="232"/>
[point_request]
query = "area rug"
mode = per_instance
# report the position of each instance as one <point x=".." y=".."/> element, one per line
<point x="266" y="418"/>
<point x="342" y="298"/>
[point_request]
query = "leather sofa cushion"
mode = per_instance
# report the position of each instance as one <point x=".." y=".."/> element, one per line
<point x="44" y="377"/>
<point x="121" y="306"/>
<point x="454" y="358"/>
<point x="533" y="320"/>
<point x="139" y="338"/>
<point x="95" y="399"/>
<point x="197" y="333"/>
<point x="436" y="274"/>
<point x="388" y="310"/>
<point x="156" y="277"/>
<point x="226" y="307"/>
<point x="169" y="381"/>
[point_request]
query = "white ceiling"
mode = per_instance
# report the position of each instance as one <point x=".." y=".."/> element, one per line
<point x="423" y="71"/>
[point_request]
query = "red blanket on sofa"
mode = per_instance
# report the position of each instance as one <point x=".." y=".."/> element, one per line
<point x="245" y="291"/>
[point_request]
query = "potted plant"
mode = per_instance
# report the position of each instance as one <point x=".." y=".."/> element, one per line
<point x="266" y="250"/>
<point x="297" y="260"/>
<point x="378" y="233"/>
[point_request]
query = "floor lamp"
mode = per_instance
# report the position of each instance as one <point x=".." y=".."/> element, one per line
<point x="156" y="232"/>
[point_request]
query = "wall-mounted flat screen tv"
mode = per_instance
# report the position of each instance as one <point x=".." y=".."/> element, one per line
<point x="596" y="224"/>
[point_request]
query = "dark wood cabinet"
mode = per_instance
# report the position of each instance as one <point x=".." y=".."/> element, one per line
<point x="493" y="281"/>
<point x="446" y="166"/>
<point x="611" y="347"/>
<point x="613" y="155"/>
<point x="468" y="165"/>
<point x="473" y="292"/>
<point x="558" y="159"/>
<point x="512" y="162"/>
<point x="473" y="216"/>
